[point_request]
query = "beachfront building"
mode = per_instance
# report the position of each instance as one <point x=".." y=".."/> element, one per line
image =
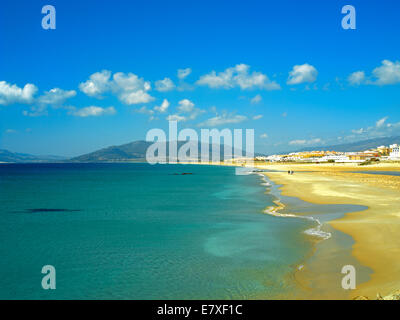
<point x="335" y="158"/>
<point x="383" y="150"/>
<point x="394" y="152"/>
<point x="363" y="156"/>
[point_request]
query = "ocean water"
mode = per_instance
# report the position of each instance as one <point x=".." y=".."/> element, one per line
<point x="136" y="231"/>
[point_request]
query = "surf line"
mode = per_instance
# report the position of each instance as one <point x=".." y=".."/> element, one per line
<point x="274" y="211"/>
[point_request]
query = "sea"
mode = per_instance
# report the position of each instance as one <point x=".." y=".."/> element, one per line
<point x="140" y="231"/>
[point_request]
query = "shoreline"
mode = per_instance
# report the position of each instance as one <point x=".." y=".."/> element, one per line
<point x="375" y="230"/>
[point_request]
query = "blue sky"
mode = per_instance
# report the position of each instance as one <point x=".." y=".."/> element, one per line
<point x="285" y="68"/>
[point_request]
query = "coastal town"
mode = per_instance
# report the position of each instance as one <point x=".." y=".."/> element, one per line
<point x="381" y="153"/>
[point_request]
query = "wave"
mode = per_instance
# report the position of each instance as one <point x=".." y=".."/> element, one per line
<point x="274" y="211"/>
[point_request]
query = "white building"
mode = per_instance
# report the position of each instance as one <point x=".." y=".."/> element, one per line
<point x="394" y="153"/>
<point x="336" y="158"/>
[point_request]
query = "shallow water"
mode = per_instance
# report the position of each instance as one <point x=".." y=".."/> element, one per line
<point x="135" y="231"/>
<point x="385" y="173"/>
<point x="321" y="275"/>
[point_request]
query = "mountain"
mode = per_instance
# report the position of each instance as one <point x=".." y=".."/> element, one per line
<point x="8" y="156"/>
<point x="357" y="146"/>
<point x="134" y="151"/>
<point x="131" y="151"/>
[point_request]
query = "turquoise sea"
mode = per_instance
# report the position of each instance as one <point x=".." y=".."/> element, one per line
<point x="136" y="231"/>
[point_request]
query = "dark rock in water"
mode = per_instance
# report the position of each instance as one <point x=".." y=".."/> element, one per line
<point x="183" y="174"/>
<point x="36" y="210"/>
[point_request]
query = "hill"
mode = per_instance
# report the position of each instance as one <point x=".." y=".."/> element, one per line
<point x="8" y="156"/>
<point x="356" y="146"/>
<point x="133" y="151"/>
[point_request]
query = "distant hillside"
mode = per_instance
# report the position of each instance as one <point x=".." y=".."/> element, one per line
<point x="131" y="151"/>
<point x="134" y="151"/>
<point x="357" y="146"/>
<point x="8" y="156"/>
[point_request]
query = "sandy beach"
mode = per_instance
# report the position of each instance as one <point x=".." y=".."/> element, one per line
<point x="376" y="230"/>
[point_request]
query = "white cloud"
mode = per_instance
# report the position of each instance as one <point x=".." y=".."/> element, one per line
<point x="358" y="131"/>
<point x="93" y="111"/>
<point x="257" y="117"/>
<point x="381" y="129"/>
<point x="185" y="105"/>
<point x="11" y="93"/>
<point x="97" y="84"/>
<point x="380" y="123"/>
<point x="163" y="107"/>
<point x="165" y="85"/>
<point x="186" y="111"/>
<point x="224" y="118"/>
<point x="305" y="142"/>
<point x="238" y="76"/>
<point x="129" y="88"/>
<point x="302" y="73"/>
<point x="9" y="131"/>
<point x="357" y="78"/>
<point x="56" y="96"/>
<point x="264" y="136"/>
<point x="183" y="73"/>
<point x="176" y="117"/>
<point x="387" y="73"/>
<point x="256" y="99"/>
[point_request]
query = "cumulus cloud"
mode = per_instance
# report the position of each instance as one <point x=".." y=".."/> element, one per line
<point x="129" y="88"/>
<point x="381" y="122"/>
<point x="256" y="99"/>
<point x="165" y="85"/>
<point x="257" y="117"/>
<point x="302" y="73"/>
<point x="92" y="111"/>
<point x="163" y="107"/>
<point x="183" y="73"/>
<point x="238" y="76"/>
<point x="185" y="105"/>
<point x="176" y="117"/>
<point x="223" y="119"/>
<point x="380" y="129"/>
<point x="357" y="78"/>
<point x="97" y="84"/>
<point x="387" y="73"/>
<point x="11" y="93"/>
<point x="186" y="111"/>
<point x="56" y="96"/>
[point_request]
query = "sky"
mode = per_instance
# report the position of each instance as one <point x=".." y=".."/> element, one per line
<point x="113" y="70"/>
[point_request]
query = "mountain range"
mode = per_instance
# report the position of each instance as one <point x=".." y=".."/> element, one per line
<point x="8" y="156"/>
<point x="136" y="151"/>
<point x="356" y="146"/>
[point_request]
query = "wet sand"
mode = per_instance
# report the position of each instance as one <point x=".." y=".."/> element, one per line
<point x="376" y="231"/>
